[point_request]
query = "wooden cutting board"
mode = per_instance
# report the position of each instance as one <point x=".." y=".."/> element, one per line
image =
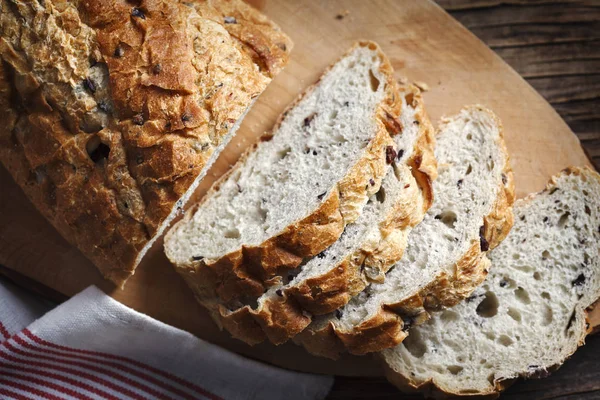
<point x="423" y="43"/>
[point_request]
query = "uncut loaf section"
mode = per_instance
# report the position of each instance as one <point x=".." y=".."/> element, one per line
<point x="113" y="111"/>
<point x="445" y="256"/>
<point x="529" y="315"/>
<point x="291" y="196"/>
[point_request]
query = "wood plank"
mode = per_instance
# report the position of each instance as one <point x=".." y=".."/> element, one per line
<point x="423" y="43"/>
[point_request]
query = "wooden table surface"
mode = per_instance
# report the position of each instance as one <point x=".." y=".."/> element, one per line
<point x="555" y="46"/>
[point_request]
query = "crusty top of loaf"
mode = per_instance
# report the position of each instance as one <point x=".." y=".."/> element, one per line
<point x="113" y="111"/>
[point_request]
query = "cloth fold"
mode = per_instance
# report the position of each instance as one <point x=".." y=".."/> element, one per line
<point x="93" y="347"/>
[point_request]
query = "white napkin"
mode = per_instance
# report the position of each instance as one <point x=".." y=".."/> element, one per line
<point x="94" y="347"/>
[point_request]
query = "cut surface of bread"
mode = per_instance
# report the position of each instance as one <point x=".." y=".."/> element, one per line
<point x="530" y="313"/>
<point x="114" y="111"/>
<point x="291" y="195"/>
<point x="363" y="253"/>
<point x="445" y="257"/>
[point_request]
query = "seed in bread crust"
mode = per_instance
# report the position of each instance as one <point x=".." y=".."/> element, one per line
<point x="390" y="154"/>
<point x="483" y="243"/>
<point x="138" y="119"/>
<point x="89" y="85"/>
<point x="119" y="52"/>
<point x="136" y="12"/>
<point x="372" y="181"/>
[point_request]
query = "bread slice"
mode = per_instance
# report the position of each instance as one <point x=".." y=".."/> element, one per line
<point x="530" y="313"/>
<point x="445" y="258"/>
<point x="363" y="253"/>
<point x="292" y="194"/>
<point x="114" y="112"/>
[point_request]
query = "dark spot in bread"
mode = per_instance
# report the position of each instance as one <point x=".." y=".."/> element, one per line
<point x="314" y="152"/>
<point x="390" y="154"/>
<point x="138" y="119"/>
<point x="372" y="181"/>
<point x="339" y="17"/>
<point x="346" y="103"/>
<point x="504" y="179"/>
<point x="408" y="322"/>
<point x="282" y="46"/>
<point x="103" y="106"/>
<point x="279" y="293"/>
<point x="407" y="186"/>
<point x="400" y="154"/>
<point x="156" y="69"/>
<point x="483" y="243"/>
<point x="545" y="219"/>
<point x="139" y="159"/>
<point x="239" y="188"/>
<point x="197" y="258"/>
<point x="320" y="197"/>
<point x="522" y="218"/>
<point x="138" y="13"/>
<point x="119" y="52"/>
<point x="579" y="281"/>
<point x="308" y="120"/>
<point x="587" y="210"/>
<point x="416" y="122"/>
<point x="321" y="255"/>
<point x="230" y="20"/>
<point x="570" y="323"/>
<point x="168" y="125"/>
<point x="473" y="297"/>
<point x="290" y="277"/>
<point x="338" y="313"/>
<point x="459" y="183"/>
<point x="125" y="205"/>
<point x="553" y="190"/>
<point x="186" y="117"/>
<point x="89" y="85"/>
<point x="503" y="283"/>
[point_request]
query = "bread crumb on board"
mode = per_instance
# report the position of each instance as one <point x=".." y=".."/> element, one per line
<point x="422" y="86"/>
<point x="342" y="15"/>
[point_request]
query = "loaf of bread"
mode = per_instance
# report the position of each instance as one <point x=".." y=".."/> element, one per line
<point x="530" y="313"/>
<point x="363" y="253"/>
<point x="445" y="257"/>
<point x="113" y="110"/>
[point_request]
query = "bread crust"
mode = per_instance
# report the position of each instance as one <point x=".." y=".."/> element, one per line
<point x="432" y="388"/>
<point x="386" y="328"/>
<point x="118" y="110"/>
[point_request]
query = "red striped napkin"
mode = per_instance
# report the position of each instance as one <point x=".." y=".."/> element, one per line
<point x="92" y="347"/>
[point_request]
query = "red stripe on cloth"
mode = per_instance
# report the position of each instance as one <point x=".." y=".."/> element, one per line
<point x="31" y="390"/>
<point x="50" y="385"/>
<point x="4" y="331"/>
<point x="108" y="372"/>
<point x="74" y="372"/>
<point x="56" y="377"/>
<point x="14" y="395"/>
<point x="105" y="363"/>
<point x="136" y="363"/>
